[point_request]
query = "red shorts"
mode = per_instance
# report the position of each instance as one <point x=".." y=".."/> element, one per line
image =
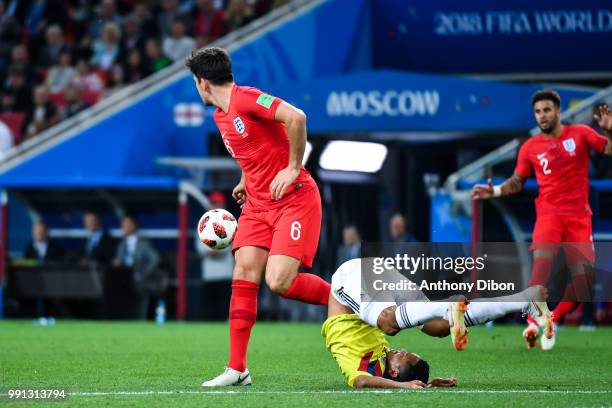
<point x="292" y="229"/>
<point x="574" y="233"/>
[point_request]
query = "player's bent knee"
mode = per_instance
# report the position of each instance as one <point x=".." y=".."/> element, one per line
<point x="278" y="282"/>
<point x="389" y="330"/>
<point x="386" y="321"/>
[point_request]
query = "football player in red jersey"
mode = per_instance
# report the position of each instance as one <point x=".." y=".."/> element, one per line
<point x="278" y="229"/>
<point x="559" y="157"/>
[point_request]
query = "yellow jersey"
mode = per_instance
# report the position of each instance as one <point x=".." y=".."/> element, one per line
<point x="357" y="347"/>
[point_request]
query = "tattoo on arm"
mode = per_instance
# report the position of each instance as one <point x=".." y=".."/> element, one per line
<point x="513" y="185"/>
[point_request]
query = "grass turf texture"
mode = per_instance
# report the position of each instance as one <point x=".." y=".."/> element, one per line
<point x="291" y="367"/>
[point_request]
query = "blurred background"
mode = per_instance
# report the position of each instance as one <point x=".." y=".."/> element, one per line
<point x="103" y="137"/>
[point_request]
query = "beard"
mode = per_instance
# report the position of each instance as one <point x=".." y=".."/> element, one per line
<point x="550" y="127"/>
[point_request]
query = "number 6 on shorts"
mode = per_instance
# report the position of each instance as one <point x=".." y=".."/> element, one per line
<point x="296" y="230"/>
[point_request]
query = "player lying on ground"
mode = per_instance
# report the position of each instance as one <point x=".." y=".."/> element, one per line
<point x="355" y="330"/>
<point x="559" y="157"/>
<point x="278" y="229"/>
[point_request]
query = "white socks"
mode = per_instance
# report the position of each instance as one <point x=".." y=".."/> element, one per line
<point x="482" y="312"/>
<point x="413" y="314"/>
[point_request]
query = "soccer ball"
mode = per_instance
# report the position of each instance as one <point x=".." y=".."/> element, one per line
<point x="217" y="228"/>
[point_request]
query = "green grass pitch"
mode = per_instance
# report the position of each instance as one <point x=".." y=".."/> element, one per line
<point x="142" y="364"/>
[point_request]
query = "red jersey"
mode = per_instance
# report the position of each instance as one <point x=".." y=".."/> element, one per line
<point x="259" y="144"/>
<point x="561" y="168"/>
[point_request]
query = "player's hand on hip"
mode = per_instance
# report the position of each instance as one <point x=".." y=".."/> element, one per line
<point x="239" y="194"/>
<point x="483" y="191"/>
<point x="413" y="384"/>
<point x="604" y="118"/>
<point x="283" y="179"/>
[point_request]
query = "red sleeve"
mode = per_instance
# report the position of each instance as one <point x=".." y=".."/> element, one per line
<point x="594" y="139"/>
<point x="257" y="104"/>
<point x="523" y="167"/>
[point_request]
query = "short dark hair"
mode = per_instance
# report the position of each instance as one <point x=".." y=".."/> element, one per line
<point x="546" y="95"/>
<point x="131" y="217"/>
<point x="419" y="371"/>
<point x="212" y="63"/>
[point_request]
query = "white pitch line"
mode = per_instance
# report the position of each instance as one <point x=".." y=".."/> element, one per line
<point x="333" y="392"/>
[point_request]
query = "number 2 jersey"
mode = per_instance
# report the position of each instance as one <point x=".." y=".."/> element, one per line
<point x="561" y="167"/>
<point x="259" y="144"/>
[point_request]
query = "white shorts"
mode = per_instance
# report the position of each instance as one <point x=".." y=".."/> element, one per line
<point x="346" y="289"/>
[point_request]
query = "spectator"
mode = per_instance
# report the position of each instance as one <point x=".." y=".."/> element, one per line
<point x="155" y="59"/>
<point x="217" y="266"/>
<point x="54" y="47"/>
<point x="74" y="104"/>
<point x="20" y="58"/>
<point x="42" y="13"/>
<point x="41" y="247"/>
<point x="42" y="115"/>
<point x="170" y="12"/>
<point x="6" y="140"/>
<point x="238" y="14"/>
<point x="208" y="22"/>
<point x="397" y="229"/>
<point x="98" y="245"/>
<point x="147" y="23"/>
<point x="116" y="79"/>
<point x="179" y="44"/>
<point x="7" y="102"/>
<point x="139" y="256"/>
<point x="106" y="13"/>
<point x="86" y="80"/>
<point x="106" y="50"/>
<point x="18" y="88"/>
<point x="9" y="34"/>
<point x="351" y="245"/>
<point x="134" y="68"/>
<point x="62" y="75"/>
<point x="133" y="37"/>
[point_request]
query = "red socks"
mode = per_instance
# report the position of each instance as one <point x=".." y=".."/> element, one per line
<point x="542" y="268"/>
<point x="242" y="315"/>
<point x="564" y="308"/>
<point x="308" y="288"/>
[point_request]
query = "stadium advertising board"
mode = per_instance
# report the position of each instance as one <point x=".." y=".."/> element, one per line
<point x="480" y="36"/>
<point x="401" y="101"/>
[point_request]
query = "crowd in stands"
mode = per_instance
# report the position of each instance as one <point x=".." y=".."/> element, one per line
<point x="59" y="57"/>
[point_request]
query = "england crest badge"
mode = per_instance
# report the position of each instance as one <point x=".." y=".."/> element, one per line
<point x="239" y="125"/>
<point x="569" y="145"/>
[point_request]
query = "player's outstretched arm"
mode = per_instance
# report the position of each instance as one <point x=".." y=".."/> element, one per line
<point x="295" y="122"/>
<point x="512" y="185"/>
<point x="604" y="120"/>
<point x="366" y="381"/>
